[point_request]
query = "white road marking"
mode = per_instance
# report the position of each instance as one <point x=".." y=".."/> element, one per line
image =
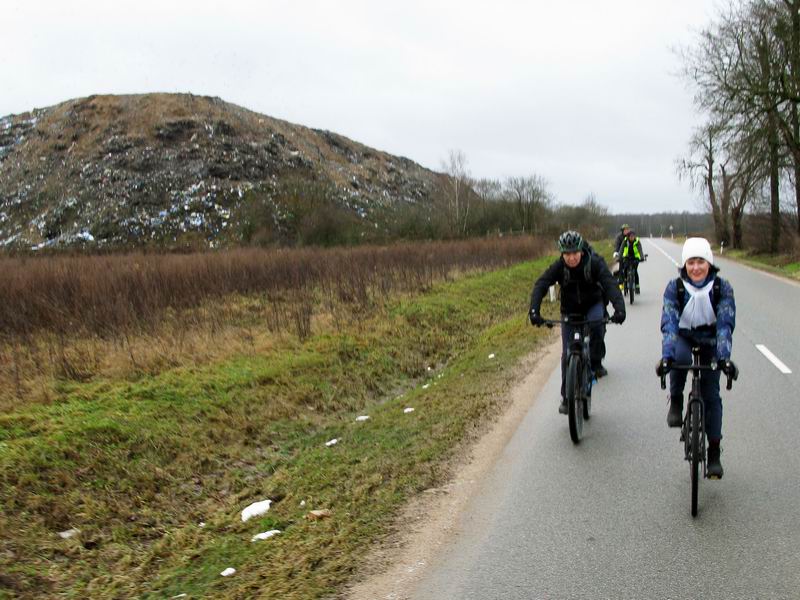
<point x="660" y="249"/>
<point x="773" y="359"/>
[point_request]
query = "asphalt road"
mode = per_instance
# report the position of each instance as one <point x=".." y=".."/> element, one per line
<point x="610" y="518"/>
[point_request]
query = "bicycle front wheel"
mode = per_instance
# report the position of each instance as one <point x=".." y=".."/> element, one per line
<point x="574" y="386"/>
<point x="631" y="285"/>
<point x="694" y="453"/>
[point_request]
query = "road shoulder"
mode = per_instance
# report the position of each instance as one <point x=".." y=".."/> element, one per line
<point x="392" y="569"/>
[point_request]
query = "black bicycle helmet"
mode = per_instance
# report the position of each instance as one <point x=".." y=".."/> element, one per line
<point x="570" y="241"/>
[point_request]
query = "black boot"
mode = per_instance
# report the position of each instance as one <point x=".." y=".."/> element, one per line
<point x="599" y="371"/>
<point x="675" y="414"/>
<point x="562" y="408"/>
<point x="713" y="465"/>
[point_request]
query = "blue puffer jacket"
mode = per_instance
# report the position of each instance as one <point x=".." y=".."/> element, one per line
<point x="720" y="334"/>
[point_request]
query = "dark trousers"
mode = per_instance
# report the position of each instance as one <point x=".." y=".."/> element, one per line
<point x="709" y="384"/>
<point x="596" y="344"/>
<point x="629" y="263"/>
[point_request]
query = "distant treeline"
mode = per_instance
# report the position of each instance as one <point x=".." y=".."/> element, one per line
<point x="664" y="224"/>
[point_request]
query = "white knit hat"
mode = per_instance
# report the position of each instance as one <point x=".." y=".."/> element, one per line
<point x="697" y="247"/>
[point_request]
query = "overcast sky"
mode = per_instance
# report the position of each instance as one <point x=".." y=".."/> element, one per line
<point x="583" y="93"/>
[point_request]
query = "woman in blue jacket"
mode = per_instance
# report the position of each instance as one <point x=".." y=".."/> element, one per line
<point x="699" y="311"/>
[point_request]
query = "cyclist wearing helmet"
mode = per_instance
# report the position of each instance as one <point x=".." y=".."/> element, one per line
<point x="630" y="255"/>
<point x="623" y="233"/>
<point x="621" y="236"/>
<point x="699" y="311"/>
<point x="585" y="283"/>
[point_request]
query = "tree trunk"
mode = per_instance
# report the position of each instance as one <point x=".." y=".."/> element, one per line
<point x="774" y="185"/>
<point x="736" y="223"/>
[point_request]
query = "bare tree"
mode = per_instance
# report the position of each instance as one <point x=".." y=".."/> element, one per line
<point x="459" y="190"/>
<point x="736" y="69"/>
<point x="532" y="199"/>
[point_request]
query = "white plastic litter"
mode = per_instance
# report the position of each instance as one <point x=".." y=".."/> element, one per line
<point x="228" y="572"/>
<point x="201" y="524"/>
<point x="68" y="533"/>
<point x="362" y="418"/>
<point x="491" y="356"/>
<point x="408" y="410"/>
<point x="426" y="386"/>
<point x="266" y="535"/>
<point x="332" y="442"/>
<point x="302" y="503"/>
<point x="255" y="509"/>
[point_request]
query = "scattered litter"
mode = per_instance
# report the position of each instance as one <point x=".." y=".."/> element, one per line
<point x="491" y="356"/>
<point x="302" y="503"/>
<point x="255" y="509"/>
<point x="440" y="375"/>
<point x="332" y="442"/>
<point x="265" y="536"/>
<point x="408" y="410"/>
<point x="316" y="515"/>
<point x="362" y="418"/>
<point x="201" y="524"/>
<point x="178" y="596"/>
<point x="426" y="386"/>
<point x="68" y="533"/>
<point x="430" y="368"/>
<point x="228" y="572"/>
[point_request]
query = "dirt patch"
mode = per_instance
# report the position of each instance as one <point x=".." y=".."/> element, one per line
<point x="393" y="568"/>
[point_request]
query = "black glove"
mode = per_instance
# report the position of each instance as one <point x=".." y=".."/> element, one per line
<point x="728" y="367"/>
<point x="663" y="366"/>
<point x="618" y="317"/>
<point x="536" y="318"/>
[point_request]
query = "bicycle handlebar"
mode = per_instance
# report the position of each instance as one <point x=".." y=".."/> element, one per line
<point x="550" y="323"/>
<point x="732" y="376"/>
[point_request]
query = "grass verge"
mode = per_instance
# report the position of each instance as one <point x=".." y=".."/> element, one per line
<point x="779" y="264"/>
<point x="136" y="466"/>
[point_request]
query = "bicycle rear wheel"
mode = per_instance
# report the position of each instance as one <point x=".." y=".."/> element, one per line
<point x="587" y="397"/>
<point x="574" y="385"/>
<point x="694" y="453"/>
<point x="631" y="284"/>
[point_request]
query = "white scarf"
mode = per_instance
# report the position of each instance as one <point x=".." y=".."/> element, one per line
<point x="698" y="310"/>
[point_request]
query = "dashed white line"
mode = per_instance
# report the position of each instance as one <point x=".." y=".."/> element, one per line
<point x="773" y="359"/>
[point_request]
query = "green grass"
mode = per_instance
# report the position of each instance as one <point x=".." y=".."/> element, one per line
<point x="136" y="466"/>
<point x="780" y="264"/>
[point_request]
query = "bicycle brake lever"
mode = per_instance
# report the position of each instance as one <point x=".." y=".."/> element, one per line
<point x="729" y="385"/>
<point x="663" y="382"/>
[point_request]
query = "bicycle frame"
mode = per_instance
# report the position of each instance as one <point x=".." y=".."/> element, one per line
<point x="578" y="379"/>
<point x="693" y="429"/>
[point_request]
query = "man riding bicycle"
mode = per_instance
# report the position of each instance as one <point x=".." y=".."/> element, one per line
<point x="585" y="284"/>
<point x="630" y="256"/>
<point x="621" y="236"/>
<point x="699" y="311"/>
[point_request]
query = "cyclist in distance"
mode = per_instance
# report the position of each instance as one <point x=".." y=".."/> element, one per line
<point x="623" y="233"/>
<point x="631" y="254"/>
<point x="699" y="311"/>
<point x="585" y="283"/>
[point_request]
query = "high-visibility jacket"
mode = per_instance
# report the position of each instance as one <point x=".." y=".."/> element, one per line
<point x="632" y="249"/>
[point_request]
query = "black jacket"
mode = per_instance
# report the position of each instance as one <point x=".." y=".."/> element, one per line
<point x="578" y="294"/>
<point x="618" y="242"/>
